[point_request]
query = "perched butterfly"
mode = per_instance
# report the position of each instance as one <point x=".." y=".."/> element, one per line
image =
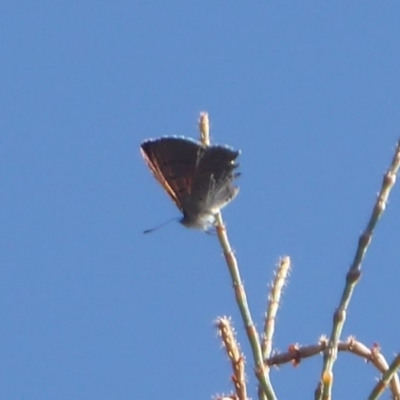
<point x="198" y="178"/>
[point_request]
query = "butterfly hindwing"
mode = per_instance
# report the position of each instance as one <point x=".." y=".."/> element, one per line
<point x="213" y="186"/>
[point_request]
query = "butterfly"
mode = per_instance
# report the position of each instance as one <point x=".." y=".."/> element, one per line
<point x="198" y="178"/>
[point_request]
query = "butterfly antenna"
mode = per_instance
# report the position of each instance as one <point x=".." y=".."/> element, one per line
<point x="160" y="226"/>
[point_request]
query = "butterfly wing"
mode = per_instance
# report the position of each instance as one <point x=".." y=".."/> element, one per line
<point x="173" y="163"/>
<point x="199" y="179"/>
<point x="212" y="188"/>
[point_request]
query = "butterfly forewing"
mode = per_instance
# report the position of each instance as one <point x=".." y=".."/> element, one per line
<point x="173" y="163"/>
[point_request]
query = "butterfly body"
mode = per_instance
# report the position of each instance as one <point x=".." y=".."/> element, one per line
<point x="198" y="178"/>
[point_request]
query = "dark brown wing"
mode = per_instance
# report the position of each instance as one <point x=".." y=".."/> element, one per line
<point x="212" y="186"/>
<point x="173" y="162"/>
<point x="218" y="161"/>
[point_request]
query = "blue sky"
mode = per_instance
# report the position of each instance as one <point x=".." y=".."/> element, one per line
<point x="93" y="309"/>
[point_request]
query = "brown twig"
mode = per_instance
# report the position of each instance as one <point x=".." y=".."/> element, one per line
<point x="273" y="305"/>
<point x="388" y="378"/>
<point x="227" y="334"/>
<point x="296" y="353"/>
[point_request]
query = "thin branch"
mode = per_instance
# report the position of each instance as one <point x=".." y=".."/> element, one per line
<point x="324" y="387"/>
<point x="273" y="305"/>
<point x="388" y="377"/>
<point x="240" y="294"/>
<point x="373" y="356"/>
<point x="227" y="334"/>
